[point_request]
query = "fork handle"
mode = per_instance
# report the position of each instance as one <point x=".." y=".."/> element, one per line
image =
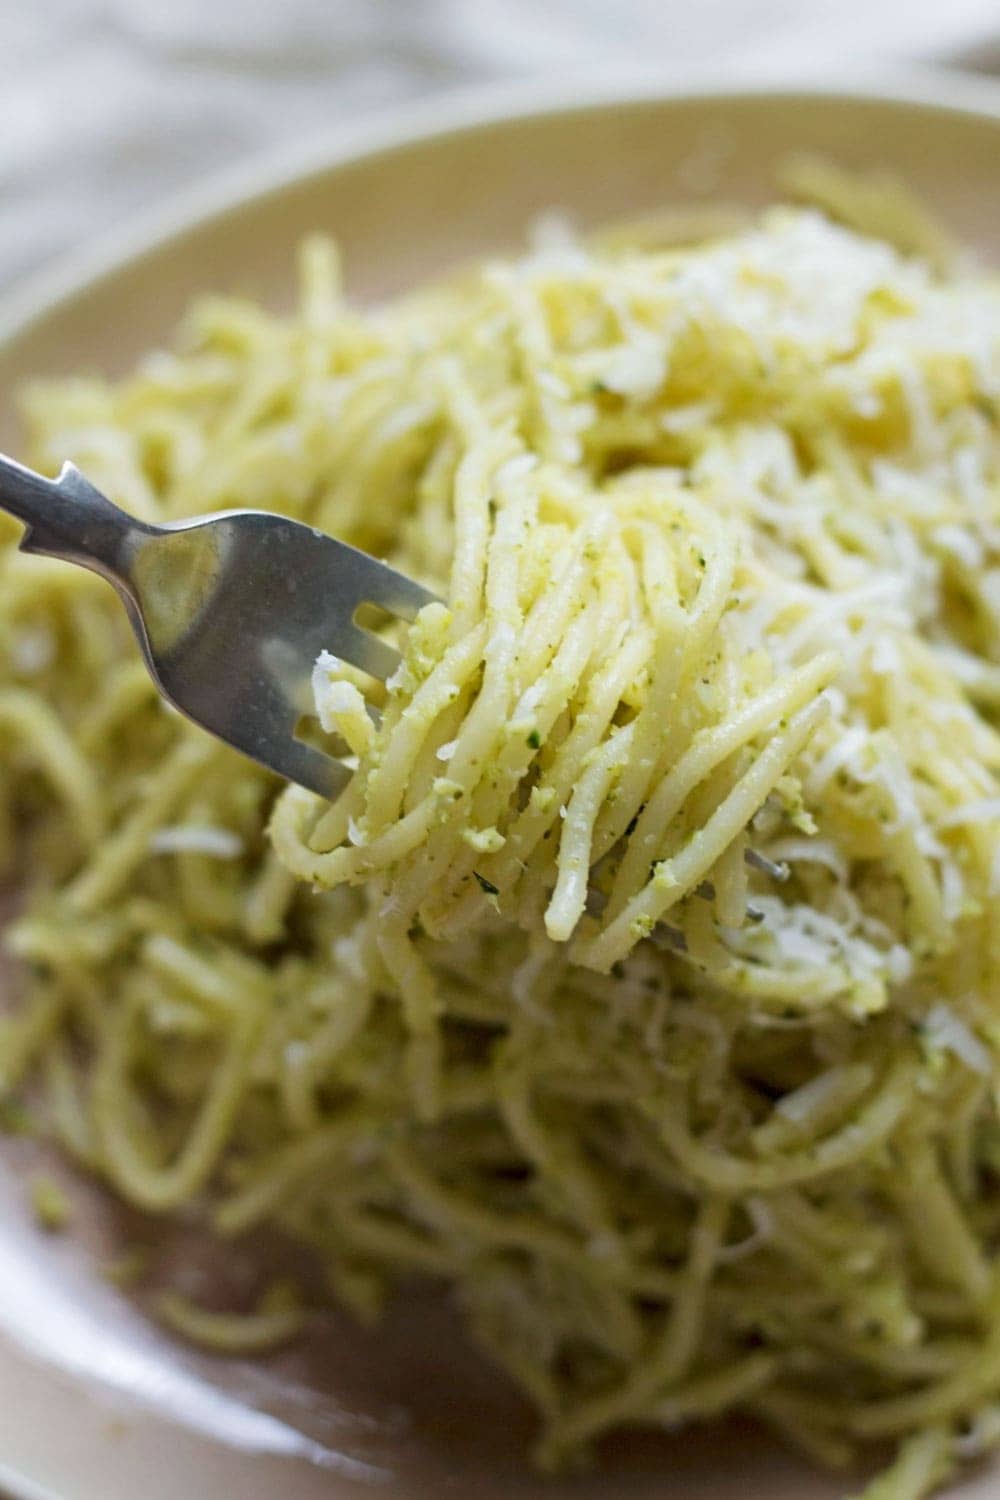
<point x="68" y="518"/>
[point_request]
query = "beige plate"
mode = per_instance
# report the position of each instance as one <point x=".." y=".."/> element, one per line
<point x="94" y="1404"/>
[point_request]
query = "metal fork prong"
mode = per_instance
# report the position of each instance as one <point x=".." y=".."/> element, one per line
<point x="777" y="871"/>
<point x="373" y="582"/>
<point x="309" y="767"/>
<point x="401" y="596"/>
<point x="365" y="651"/>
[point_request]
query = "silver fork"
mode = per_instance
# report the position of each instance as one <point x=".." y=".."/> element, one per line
<point x="230" y="610"/>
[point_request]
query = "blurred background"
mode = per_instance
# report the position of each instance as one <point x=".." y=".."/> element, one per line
<point x="110" y="105"/>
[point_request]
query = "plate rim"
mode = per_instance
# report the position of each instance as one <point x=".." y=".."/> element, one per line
<point x="456" y="111"/>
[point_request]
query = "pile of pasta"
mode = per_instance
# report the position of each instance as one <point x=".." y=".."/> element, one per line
<point x="643" y="986"/>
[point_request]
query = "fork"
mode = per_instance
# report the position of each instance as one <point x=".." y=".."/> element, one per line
<point x="230" y="610"/>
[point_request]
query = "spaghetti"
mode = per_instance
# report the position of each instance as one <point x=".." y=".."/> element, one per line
<point x="642" y="986"/>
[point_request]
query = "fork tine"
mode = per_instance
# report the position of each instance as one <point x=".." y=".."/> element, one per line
<point x="374" y="582"/>
<point x="308" y="766"/>
<point x="364" y="650"/>
<point x="401" y="596"/>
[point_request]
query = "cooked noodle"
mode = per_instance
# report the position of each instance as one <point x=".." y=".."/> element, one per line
<point x="647" y="990"/>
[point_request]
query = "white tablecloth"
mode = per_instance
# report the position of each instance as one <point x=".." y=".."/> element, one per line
<point x="107" y="105"/>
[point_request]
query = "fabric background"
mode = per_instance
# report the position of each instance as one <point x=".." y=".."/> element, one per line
<point x="108" y="105"/>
